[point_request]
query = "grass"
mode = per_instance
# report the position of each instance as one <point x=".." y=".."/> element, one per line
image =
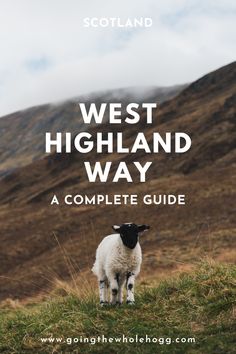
<point x="200" y="304"/>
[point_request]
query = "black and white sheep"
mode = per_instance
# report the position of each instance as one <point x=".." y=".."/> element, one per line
<point x="118" y="261"/>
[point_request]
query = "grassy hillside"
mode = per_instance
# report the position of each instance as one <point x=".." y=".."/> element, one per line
<point x="206" y="225"/>
<point x="200" y="304"/>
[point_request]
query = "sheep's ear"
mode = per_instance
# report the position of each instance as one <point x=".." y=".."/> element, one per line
<point x="116" y="228"/>
<point x="142" y="228"/>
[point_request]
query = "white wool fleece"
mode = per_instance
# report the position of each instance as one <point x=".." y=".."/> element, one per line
<point x="113" y="257"/>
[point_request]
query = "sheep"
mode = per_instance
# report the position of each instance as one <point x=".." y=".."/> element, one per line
<point x="118" y="260"/>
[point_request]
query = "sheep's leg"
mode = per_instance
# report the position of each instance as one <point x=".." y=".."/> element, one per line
<point x="106" y="290"/>
<point x="120" y="291"/>
<point x="103" y="291"/>
<point x="114" y="284"/>
<point x="130" y="288"/>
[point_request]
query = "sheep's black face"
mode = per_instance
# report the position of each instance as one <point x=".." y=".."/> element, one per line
<point x="129" y="233"/>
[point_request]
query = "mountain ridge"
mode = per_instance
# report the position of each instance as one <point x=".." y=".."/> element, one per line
<point x="23" y="131"/>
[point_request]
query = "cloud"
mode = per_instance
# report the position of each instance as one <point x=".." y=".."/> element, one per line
<point x="37" y="64"/>
<point x="47" y="55"/>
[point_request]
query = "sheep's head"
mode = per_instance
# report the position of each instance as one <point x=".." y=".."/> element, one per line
<point x="129" y="233"/>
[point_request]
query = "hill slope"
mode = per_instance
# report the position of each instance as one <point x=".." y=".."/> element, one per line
<point x="192" y="313"/>
<point x="179" y="234"/>
<point x="23" y="132"/>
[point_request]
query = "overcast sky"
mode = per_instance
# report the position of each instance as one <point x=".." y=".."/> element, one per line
<point x="47" y="55"/>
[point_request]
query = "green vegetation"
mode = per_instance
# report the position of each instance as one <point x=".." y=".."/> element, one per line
<point x="200" y="304"/>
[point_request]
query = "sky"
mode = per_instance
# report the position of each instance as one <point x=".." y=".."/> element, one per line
<point x="46" y="55"/>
